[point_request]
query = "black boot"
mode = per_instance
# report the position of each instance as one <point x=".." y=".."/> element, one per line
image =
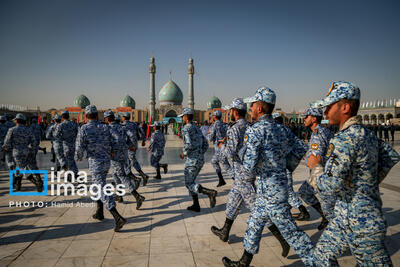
<point x="324" y="222"/>
<point x="135" y="179"/>
<point x="18" y="182"/>
<point x="39" y="181"/>
<point x="53" y="159"/>
<point x="144" y="176"/>
<point x="210" y="193"/>
<point x="58" y="168"/>
<point x="44" y="150"/>
<point x="221" y="180"/>
<point x="196" y="206"/>
<point x="33" y="181"/>
<point x="99" y="215"/>
<point x="223" y="233"/>
<point x="139" y="199"/>
<point x="303" y="215"/>
<point x="165" y="167"/>
<point x="243" y="262"/>
<point x="119" y="220"/>
<point x="158" y="176"/>
<point x="285" y="246"/>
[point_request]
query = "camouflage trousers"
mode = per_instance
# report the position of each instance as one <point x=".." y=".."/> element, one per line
<point x="364" y="237"/>
<point x="9" y="160"/>
<point x="192" y="169"/>
<point x="69" y="153"/>
<point x="155" y="160"/>
<point x="31" y="159"/>
<point x="243" y="190"/>
<point x="120" y="177"/>
<point x="132" y="162"/>
<point x="265" y="212"/>
<point x="220" y="157"/>
<point x="59" y="150"/>
<point x="293" y="198"/>
<point x="307" y="193"/>
<point x="99" y="170"/>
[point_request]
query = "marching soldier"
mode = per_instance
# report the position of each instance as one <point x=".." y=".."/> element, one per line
<point x="19" y="140"/>
<point x="216" y="135"/>
<point x="267" y="145"/>
<point x="95" y="139"/>
<point x="318" y="146"/>
<point x="134" y="134"/>
<point x="120" y="155"/>
<point x="243" y="189"/>
<point x="156" y="147"/>
<point x="194" y="147"/>
<point x="357" y="161"/>
<point x="49" y="136"/>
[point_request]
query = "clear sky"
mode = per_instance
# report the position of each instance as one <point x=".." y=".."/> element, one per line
<point x="52" y="51"/>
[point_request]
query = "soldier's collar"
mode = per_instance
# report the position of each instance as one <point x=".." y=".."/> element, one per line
<point x="316" y="128"/>
<point x="351" y="121"/>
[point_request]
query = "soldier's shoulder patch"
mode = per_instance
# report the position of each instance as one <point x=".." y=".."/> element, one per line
<point x="245" y="138"/>
<point x="314" y="146"/>
<point x="330" y="150"/>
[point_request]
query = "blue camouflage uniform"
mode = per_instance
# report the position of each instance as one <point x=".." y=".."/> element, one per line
<point x="156" y="146"/>
<point x="356" y="162"/>
<point x="8" y="154"/>
<point x="293" y="198"/>
<point x="194" y="147"/>
<point x="66" y="132"/>
<point x="120" y="154"/>
<point x="3" y="132"/>
<point x="95" y="139"/>
<point x="134" y="133"/>
<point x="318" y="146"/>
<point x="49" y="136"/>
<point x="37" y="133"/>
<point x="267" y="145"/>
<point x="19" y="140"/>
<point x="217" y="131"/>
<point x="243" y="189"/>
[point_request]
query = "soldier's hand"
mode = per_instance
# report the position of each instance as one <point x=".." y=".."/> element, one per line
<point x="181" y="156"/>
<point x="313" y="160"/>
<point x="219" y="144"/>
<point x="143" y="143"/>
<point x="132" y="148"/>
<point x="79" y="160"/>
<point x="7" y="149"/>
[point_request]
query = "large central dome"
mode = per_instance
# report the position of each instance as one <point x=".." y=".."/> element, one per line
<point x="170" y="94"/>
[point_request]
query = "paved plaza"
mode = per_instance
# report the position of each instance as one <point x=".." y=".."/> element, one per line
<point x="161" y="233"/>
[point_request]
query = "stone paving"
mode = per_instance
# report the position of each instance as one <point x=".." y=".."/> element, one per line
<point x="161" y="233"/>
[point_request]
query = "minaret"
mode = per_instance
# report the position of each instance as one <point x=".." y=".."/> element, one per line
<point x="190" y="93"/>
<point x="152" y="103"/>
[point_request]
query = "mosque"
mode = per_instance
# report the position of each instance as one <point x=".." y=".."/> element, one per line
<point x="170" y="100"/>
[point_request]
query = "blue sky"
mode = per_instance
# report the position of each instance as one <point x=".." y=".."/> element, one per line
<point x="52" y="51"/>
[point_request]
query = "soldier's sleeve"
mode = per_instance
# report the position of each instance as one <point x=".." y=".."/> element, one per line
<point x="32" y="140"/>
<point x="232" y="141"/>
<point x="57" y="132"/>
<point x="253" y="144"/>
<point x="131" y="136"/>
<point x="387" y="158"/>
<point x="49" y="132"/>
<point x="7" y="139"/>
<point x="204" y="145"/>
<point x="337" y="169"/>
<point x="318" y="146"/>
<point x="80" y="145"/>
<point x="151" y="142"/>
<point x="187" y="142"/>
<point x="211" y="134"/>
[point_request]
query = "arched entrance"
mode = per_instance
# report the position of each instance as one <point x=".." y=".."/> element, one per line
<point x="171" y="113"/>
<point x="366" y="119"/>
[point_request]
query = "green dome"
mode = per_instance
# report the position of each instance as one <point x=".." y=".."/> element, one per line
<point x="128" y="101"/>
<point x="214" y="102"/>
<point x="82" y="101"/>
<point x="170" y="93"/>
